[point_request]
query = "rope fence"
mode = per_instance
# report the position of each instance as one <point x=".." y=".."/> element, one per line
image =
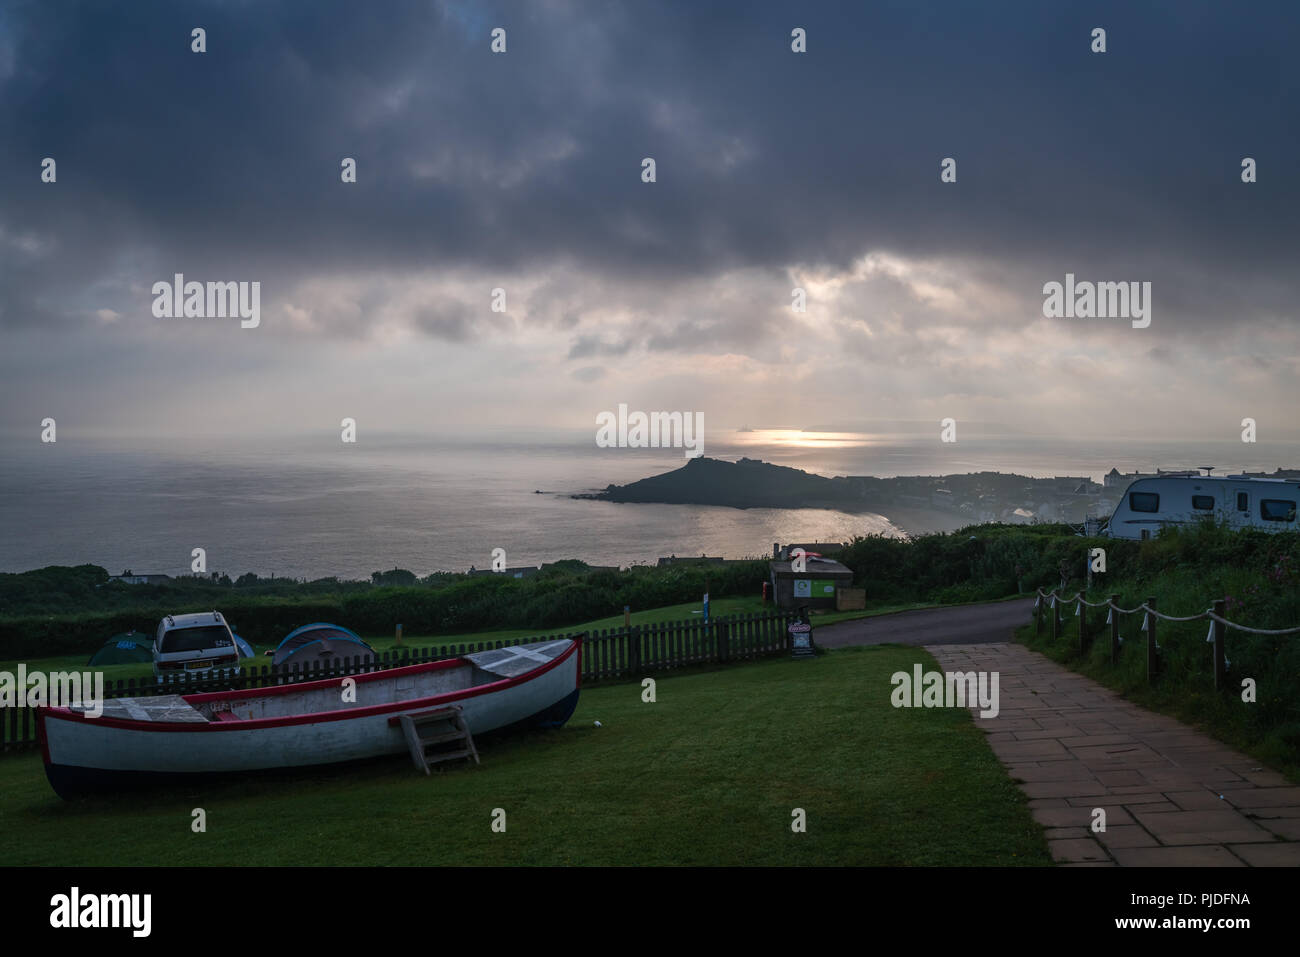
<point x="1217" y="634"/>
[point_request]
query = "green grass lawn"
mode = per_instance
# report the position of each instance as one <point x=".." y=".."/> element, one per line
<point x="708" y="774"/>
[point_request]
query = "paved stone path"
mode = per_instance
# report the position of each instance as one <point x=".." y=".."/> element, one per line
<point x="1173" y="797"/>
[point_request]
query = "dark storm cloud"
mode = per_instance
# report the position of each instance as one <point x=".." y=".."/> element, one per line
<point x="1123" y="165"/>
<point x="453" y="322"/>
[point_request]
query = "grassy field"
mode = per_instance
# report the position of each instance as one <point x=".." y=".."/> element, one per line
<point x="708" y="774"/>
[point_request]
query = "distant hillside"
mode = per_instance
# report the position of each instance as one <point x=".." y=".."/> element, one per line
<point x="747" y="483"/>
<point x="975" y="496"/>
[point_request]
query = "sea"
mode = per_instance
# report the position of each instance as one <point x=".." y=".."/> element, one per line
<point x="312" y="506"/>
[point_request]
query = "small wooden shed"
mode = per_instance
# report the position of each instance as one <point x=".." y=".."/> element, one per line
<point x="814" y="587"/>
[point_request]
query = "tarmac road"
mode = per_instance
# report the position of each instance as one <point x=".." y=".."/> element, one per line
<point x="956" y="625"/>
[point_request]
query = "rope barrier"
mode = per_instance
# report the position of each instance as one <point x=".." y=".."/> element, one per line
<point x="1152" y="611"/>
<point x="1253" y="631"/>
<point x="1128" y="611"/>
<point x="1208" y="614"/>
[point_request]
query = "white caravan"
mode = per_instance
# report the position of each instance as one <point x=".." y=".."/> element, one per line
<point x="1150" y="504"/>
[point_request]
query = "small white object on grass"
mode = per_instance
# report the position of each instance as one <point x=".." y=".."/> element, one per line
<point x="598" y="724"/>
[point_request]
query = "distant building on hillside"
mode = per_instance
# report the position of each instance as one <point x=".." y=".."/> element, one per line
<point x="129" y="579"/>
<point x="520" y="571"/>
<point x="1276" y="474"/>
<point x="1117" y="479"/>
<point x="1071" y="484"/>
<point x="702" y="560"/>
<point x="782" y="552"/>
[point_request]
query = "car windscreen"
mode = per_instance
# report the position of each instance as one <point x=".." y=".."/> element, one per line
<point x="195" y="639"/>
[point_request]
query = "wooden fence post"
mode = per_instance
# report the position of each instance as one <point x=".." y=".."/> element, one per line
<point x="1083" y="627"/>
<point x="1114" y="629"/>
<point x="633" y="639"/>
<point x="1056" y="619"/>
<point x="1038" y="615"/>
<point x="1153" y="661"/>
<point x="1220" y="632"/>
<point x="724" y="643"/>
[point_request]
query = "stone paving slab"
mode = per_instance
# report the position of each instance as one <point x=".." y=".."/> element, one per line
<point x="1268" y="855"/>
<point x="1077" y="851"/>
<point x="1200" y="827"/>
<point x="1204" y="855"/>
<point x="1173" y="797"/>
<point x="1284" y="827"/>
<point x="1126" y="835"/>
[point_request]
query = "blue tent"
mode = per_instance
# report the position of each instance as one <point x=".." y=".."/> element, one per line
<point x="320" y="642"/>
<point x="245" y="649"/>
<point x="121" y="649"/>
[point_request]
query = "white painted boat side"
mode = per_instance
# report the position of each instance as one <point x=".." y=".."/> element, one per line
<point x="227" y="747"/>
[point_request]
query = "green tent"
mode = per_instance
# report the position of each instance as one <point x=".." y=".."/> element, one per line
<point x="124" y="649"/>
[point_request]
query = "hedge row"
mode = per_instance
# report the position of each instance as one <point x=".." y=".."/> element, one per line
<point x="974" y="564"/>
<point x="464" y="605"/>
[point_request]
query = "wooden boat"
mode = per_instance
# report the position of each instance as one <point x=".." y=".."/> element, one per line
<point x="136" y="740"/>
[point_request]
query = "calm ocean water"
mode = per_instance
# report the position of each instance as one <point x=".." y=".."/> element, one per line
<point x="316" y="507"/>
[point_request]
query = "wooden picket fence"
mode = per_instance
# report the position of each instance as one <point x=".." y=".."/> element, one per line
<point x="612" y="654"/>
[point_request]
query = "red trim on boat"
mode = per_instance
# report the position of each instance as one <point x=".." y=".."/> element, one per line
<point x="342" y="714"/>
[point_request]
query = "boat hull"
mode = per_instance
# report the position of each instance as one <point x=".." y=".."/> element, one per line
<point x="92" y="754"/>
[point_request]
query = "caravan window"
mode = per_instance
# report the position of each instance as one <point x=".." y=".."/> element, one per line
<point x="1144" y="501"/>
<point x="1243" y="502"/>
<point x="1277" y="510"/>
<point x="1204" y="503"/>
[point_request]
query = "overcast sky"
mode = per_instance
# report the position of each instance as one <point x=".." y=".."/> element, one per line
<point x="523" y="170"/>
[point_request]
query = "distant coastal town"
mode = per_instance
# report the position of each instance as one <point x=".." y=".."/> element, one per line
<point x="918" y="503"/>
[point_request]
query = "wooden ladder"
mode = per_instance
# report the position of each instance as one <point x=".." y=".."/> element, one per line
<point x="426" y="729"/>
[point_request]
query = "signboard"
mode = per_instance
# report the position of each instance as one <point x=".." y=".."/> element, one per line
<point x="813" y="588"/>
<point x="801" y="640"/>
